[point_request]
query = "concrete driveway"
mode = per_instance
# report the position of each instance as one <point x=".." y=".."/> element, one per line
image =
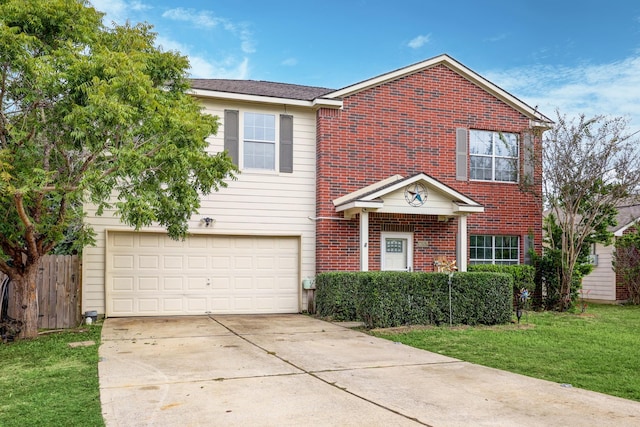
<point x="291" y="370"/>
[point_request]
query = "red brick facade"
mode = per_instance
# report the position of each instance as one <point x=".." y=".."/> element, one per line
<point x="408" y="126"/>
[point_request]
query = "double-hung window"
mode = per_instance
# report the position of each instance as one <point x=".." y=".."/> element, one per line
<point x="259" y="141"/>
<point x="485" y="249"/>
<point x="493" y="156"/>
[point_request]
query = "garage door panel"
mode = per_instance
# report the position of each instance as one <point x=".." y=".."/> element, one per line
<point x="149" y="283"/>
<point x="172" y="305"/>
<point x="150" y="274"/>
<point x="173" y="262"/>
<point x="123" y="283"/>
<point x="172" y="283"/>
<point x="197" y="262"/>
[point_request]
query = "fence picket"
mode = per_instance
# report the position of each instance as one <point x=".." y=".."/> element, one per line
<point x="58" y="283"/>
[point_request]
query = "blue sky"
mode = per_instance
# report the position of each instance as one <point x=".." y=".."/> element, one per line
<point x="577" y="56"/>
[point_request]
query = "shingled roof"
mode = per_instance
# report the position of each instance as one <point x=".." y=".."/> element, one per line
<point x="261" y="88"/>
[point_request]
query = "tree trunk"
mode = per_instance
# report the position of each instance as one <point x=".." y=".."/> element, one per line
<point x="24" y="302"/>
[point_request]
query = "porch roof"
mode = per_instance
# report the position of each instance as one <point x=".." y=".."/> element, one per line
<point x="419" y="194"/>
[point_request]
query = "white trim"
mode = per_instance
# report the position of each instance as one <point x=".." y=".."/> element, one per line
<point x="359" y="204"/>
<point x="621" y="231"/>
<point x="351" y="202"/>
<point x="315" y="104"/>
<point x="392" y="235"/>
<point x="366" y="189"/>
<point x="364" y="240"/>
<point x="461" y="244"/>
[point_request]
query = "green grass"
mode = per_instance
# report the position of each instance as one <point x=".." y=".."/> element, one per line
<point x="598" y="350"/>
<point x="44" y="382"/>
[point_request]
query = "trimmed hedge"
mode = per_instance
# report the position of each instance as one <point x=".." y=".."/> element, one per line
<point x="383" y="299"/>
<point x="523" y="275"/>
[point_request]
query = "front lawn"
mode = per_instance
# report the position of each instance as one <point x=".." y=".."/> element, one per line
<point x="45" y="382"/>
<point x="598" y="350"/>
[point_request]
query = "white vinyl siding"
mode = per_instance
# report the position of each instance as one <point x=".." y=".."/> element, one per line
<point x="258" y="203"/>
<point x="600" y="284"/>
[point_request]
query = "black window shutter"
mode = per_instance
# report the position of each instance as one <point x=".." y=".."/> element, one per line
<point x="231" y="134"/>
<point x="286" y="143"/>
<point x="461" y="154"/>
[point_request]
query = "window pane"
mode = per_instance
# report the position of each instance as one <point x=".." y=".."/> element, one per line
<point x="480" y="142"/>
<point x="481" y="168"/>
<point x="501" y="250"/>
<point x="259" y="127"/>
<point x="493" y="156"/>
<point x="259" y="155"/>
<point x="507" y="170"/>
<point x="506" y="144"/>
<point x="259" y="141"/>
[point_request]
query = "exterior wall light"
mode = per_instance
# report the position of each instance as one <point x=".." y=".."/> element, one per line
<point x="207" y="221"/>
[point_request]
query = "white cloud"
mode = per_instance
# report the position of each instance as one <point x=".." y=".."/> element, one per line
<point x="201" y="19"/>
<point x="230" y="69"/>
<point x="611" y="89"/>
<point x="201" y="67"/>
<point x="206" y="19"/>
<point x="118" y="10"/>
<point x="419" y="41"/>
<point x="290" y="62"/>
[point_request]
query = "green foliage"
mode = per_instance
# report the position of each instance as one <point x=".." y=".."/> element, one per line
<point x="336" y="295"/>
<point x="46" y="382"/>
<point x="523" y="275"/>
<point x="89" y="113"/>
<point x="595" y="352"/>
<point x="385" y="299"/>
<point x="626" y="262"/>
<point x="551" y="268"/>
<point x="590" y="166"/>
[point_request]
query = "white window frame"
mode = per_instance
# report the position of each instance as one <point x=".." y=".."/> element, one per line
<point x="494" y="156"/>
<point x="493" y="259"/>
<point x="243" y="141"/>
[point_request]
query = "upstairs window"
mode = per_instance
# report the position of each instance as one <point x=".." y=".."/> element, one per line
<point x="259" y="141"/>
<point x="255" y="141"/>
<point x="493" y="156"/>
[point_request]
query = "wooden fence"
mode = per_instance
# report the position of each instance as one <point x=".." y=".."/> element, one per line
<point x="59" y="283"/>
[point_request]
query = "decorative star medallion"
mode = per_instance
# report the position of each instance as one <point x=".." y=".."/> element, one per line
<point x="415" y="194"/>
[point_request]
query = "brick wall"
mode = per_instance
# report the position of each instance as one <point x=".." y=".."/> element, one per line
<point x="405" y="127"/>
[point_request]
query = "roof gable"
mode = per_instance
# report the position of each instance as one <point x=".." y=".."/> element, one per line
<point x="455" y="66"/>
<point x="389" y="195"/>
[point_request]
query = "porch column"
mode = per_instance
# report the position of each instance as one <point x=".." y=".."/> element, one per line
<point x="461" y="255"/>
<point x="364" y="240"/>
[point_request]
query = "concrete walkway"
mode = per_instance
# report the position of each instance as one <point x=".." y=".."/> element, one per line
<point x="293" y="370"/>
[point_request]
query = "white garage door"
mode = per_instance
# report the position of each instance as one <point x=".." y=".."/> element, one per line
<point x="149" y="274"/>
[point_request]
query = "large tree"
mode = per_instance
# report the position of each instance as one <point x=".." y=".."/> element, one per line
<point x="91" y="114"/>
<point x="590" y="165"/>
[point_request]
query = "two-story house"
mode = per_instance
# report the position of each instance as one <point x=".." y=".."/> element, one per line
<point x="392" y="173"/>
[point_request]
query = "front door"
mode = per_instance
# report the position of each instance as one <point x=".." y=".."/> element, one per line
<point x="397" y="252"/>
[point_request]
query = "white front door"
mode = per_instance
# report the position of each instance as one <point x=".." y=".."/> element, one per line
<point x="397" y="252"/>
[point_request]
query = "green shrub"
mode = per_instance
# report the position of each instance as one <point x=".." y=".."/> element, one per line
<point x="336" y="295"/>
<point x="387" y="299"/>
<point x="523" y="275"/>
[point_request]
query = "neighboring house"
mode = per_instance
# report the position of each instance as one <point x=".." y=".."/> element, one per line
<point x="392" y="173"/>
<point x="601" y="284"/>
